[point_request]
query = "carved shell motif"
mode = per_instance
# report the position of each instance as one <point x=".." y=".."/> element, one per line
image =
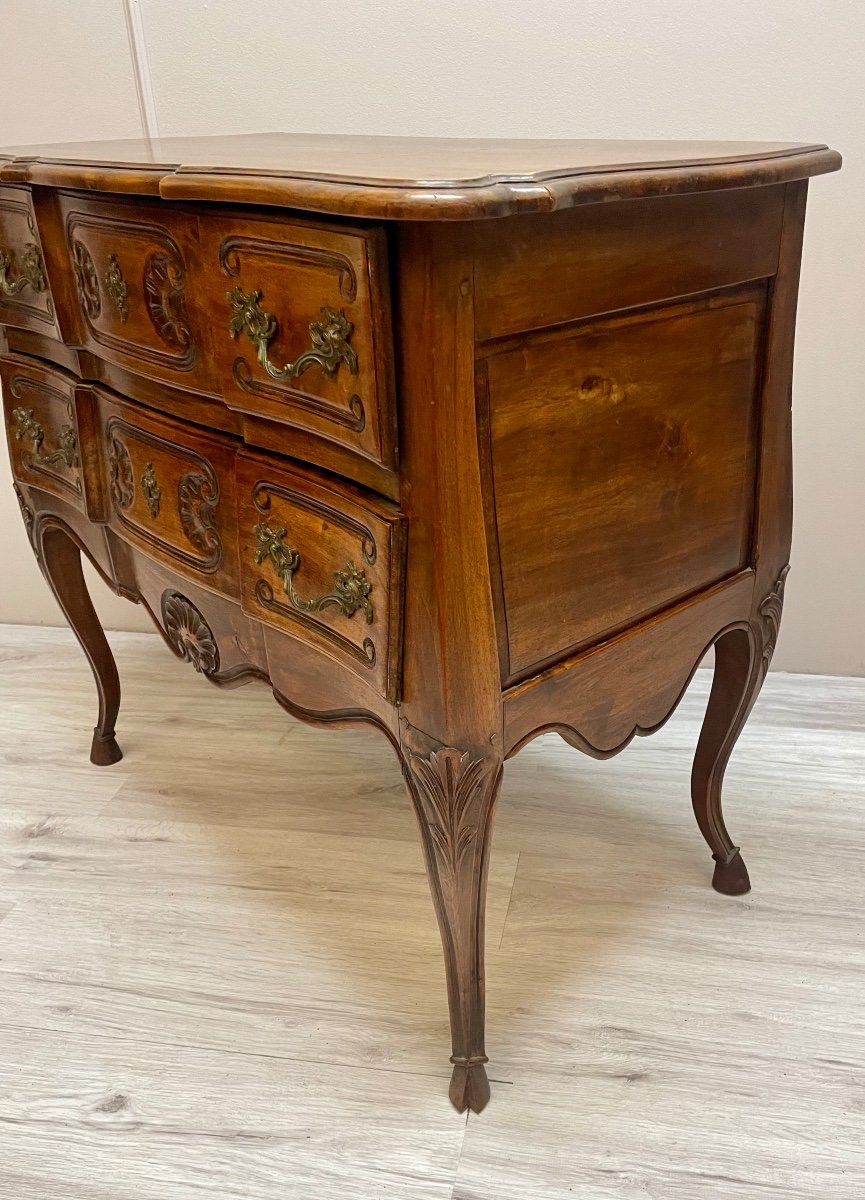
<point x="86" y="279"/>
<point x="198" y="497"/>
<point x="189" y="634"/>
<point x="163" y="296"/>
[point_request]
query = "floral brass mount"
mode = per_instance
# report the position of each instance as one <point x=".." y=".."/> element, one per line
<point x="27" y="428"/>
<point x="151" y="489"/>
<point x="329" y="337"/>
<point x="30" y="273"/>
<point x="117" y="288"/>
<point x="351" y="589"/>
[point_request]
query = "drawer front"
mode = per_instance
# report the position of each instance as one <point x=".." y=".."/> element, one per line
<point x="300" y="325"/>
<point x="25" y="294"/>
<point x="41" y="428"/>
<point x="130" y="264"/>
<point x="623" y="464"/>
<point x="323" y="563"/>
<point x="171" y="492"/>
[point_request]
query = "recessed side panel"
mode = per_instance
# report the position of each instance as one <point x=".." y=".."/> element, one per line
<point x="622" y="467"/>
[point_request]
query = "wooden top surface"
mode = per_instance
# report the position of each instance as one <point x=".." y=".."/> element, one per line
<point x="410" y="178"/>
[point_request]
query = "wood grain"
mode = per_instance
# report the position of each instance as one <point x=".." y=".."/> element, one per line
<point x="170" y="1024"/>
<point x="410" y="178"/>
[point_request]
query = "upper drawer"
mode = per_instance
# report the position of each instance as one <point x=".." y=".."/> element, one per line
<point x="300" y="324"/>
<point x="130" y="266"/>
<point x="25" y="297"/>
<point x="41" y="428"/>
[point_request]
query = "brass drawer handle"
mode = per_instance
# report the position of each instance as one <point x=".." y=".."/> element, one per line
<point x="30" y="273"/>
<point x="351" y="587"/>
<point x="329" y="337"/>
<point x="151" y="489"/>
<point x="27" y="428"/>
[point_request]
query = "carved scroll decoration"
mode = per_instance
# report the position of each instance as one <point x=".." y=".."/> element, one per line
<point x="164" y="280"/>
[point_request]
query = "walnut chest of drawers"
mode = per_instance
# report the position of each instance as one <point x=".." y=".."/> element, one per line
<point x="467" y="440"/>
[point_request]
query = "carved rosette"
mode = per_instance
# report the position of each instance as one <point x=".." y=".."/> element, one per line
<point x="770" y="617"/>
<point x="122" y="476"/>
<point x="197" y="499"/>
<point x="453" y="791"/>
<point x="188" y="633"/>
<point x="163" y="297"/>
<point x="86" y="279"/>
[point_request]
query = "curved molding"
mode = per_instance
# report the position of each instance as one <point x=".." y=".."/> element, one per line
<point x="231" y="248"/>
<point x="576" y="739"/>
<point x="600" y="700"/>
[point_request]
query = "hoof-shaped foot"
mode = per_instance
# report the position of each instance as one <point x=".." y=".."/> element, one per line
<point x="104" y="750"/>
<point x="731" y="877"/>
<point x="470" y="1087"/>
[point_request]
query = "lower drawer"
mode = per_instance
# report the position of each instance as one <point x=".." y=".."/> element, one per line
<point x="171" y="491"/>
<point x="41" y="428"/>
<point x="324" y="562"/>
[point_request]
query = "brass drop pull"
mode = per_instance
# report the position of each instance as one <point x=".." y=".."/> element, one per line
<point x="30" y="273"/>
<point x="152" y="491"/>
<point x="28" y="429"/>
<point x="351" y="588"/>
<point x="329" y="337"/>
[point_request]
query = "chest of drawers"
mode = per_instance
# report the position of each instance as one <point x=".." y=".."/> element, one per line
<point x="469" y="441"/>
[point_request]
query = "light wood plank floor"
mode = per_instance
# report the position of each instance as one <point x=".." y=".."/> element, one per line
<point x="220" y="973"/>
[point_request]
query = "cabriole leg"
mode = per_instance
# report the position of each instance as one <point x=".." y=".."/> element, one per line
<point x="60" y="560"/>
<point x="734" y="688"/>
<point x="454" y="793"/>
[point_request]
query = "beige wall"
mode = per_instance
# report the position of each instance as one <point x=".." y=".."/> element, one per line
<point x="781" y="69"/>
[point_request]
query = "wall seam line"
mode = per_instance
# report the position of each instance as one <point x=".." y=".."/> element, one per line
<point x="141" y="68"/>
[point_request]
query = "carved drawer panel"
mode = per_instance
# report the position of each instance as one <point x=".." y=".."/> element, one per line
<point x="324" y="563"/>
<point x="130" y="266"/>
<point x="301" y="326"/>
<point x="41" y="428"/>
<point x="171" y="491"/>
<point x="25" y="295"/>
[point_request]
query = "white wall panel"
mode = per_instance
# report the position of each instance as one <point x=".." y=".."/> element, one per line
<point x="65" y="73"/>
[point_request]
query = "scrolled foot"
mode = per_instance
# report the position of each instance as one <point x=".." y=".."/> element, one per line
<point x="104" y="750"/>
<point x="470" y="1087"/>
<point x="731" y="877"/>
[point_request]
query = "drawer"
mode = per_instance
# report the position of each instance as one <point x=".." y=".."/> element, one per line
<point x="300" y="323"/>
<point x="623" y="460"/>
<point x="25" y="295"/>
<point x="41" y="428"/>
<point x="325" y="563"/>
<point x="130" y="264"/>
<point x="171" y="491"/>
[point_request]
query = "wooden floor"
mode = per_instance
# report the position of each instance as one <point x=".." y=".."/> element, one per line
<point x="234" y="989"/>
